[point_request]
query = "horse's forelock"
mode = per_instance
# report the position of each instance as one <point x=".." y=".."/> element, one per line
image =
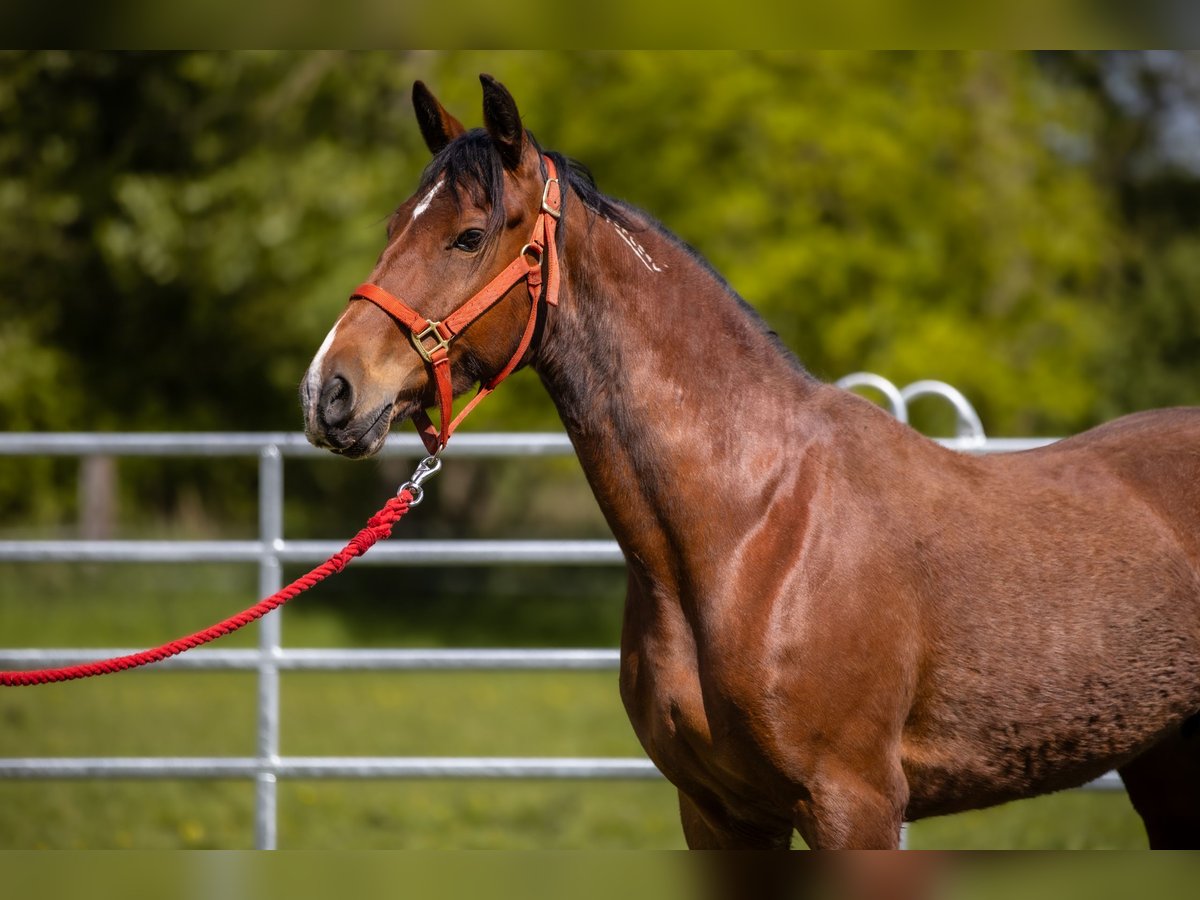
<point x="471" y="165"/>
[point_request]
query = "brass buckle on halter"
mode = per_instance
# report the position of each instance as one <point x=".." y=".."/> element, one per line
<point x="418" y="341"/>
<point x="556" y="210"/>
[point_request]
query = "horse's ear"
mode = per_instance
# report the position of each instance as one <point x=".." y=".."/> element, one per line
<point x="438" y="127"/>
<point x="502" y="121"/>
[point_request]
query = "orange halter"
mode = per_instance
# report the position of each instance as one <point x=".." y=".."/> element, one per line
<point x="432" y="339"/>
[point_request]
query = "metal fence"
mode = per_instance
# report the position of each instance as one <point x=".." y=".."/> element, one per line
<point x="271" y="550"/>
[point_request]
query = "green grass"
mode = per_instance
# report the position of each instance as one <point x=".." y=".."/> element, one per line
<point x="365" y="714"/>
<point x="1074" y="820"/>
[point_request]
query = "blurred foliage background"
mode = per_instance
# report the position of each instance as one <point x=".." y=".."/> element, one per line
<point x="179" y="230"/>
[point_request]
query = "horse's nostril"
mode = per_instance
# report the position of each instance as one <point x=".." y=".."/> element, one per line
<point x="337" y="401"/>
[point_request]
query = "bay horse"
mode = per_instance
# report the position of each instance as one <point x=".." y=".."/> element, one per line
<point x="833" y="624"/>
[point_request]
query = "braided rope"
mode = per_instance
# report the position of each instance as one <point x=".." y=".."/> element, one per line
<point x="379" y="526"/>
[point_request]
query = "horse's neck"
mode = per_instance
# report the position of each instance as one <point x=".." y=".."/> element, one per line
<point x="680" y="404"/>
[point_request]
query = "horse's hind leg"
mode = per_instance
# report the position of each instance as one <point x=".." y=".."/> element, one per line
<point x="1164" y="786"/>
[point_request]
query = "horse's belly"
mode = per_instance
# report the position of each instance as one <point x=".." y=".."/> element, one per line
<point x="1050" y="687"/>
<point x="951" y="779"/>
<point x="961" y="763"/>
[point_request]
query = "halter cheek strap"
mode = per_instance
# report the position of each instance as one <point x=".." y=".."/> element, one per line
<point x="432" y="339"/>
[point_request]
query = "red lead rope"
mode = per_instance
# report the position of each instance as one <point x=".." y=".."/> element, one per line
<point x="378" y="527"/>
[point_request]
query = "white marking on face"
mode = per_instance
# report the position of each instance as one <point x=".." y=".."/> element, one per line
<point x="424" y="204"/>
<point x="313" y="375"/>
<point x="638" y="250"/>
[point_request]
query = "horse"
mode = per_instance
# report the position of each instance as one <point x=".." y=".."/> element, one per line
<point x="833" y="624"/>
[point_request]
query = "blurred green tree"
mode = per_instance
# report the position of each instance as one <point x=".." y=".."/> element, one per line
<point x="899" y="212"/>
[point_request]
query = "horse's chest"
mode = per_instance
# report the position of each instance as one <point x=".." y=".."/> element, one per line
<point x="664" y="702"/>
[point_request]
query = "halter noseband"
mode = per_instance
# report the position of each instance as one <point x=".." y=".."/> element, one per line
<point x="432" y="339"/>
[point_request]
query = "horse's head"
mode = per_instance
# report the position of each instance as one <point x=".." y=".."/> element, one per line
<point x="457" y="239"/>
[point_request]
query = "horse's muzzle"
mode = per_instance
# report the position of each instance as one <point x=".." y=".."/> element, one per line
<point x="330" y="420"/>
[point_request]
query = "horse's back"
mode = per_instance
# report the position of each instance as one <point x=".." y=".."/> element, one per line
<point x="1156" y="455"/>
<point x="1175" y="431"/>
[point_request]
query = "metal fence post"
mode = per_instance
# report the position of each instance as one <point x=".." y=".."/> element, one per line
<point x="270" y="580"/>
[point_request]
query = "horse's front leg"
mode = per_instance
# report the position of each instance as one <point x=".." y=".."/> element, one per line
<point x="854" y="811"/>
<point x="708" y="827"/>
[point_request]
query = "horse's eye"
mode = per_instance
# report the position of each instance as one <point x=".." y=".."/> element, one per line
<point x="469" y="240"/>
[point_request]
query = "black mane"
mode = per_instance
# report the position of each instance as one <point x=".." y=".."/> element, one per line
<point x="471" y="164"/>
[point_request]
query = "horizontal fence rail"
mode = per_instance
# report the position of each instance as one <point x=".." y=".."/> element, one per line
<point x="272" y="550"/>
<point x="360" y="767"/>
<point x="398" y="446"/>
<point x="409" y="553"/>
<point x="333" y="767"/>
<point x="348" y="659"/>
<point x="286" y="443"/>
